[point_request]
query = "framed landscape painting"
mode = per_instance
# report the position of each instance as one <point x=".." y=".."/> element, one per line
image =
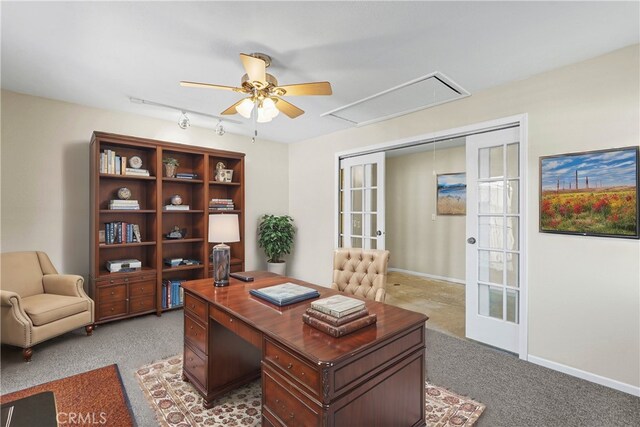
<point x="592" y="194"/>
<point x="452" y="194"/>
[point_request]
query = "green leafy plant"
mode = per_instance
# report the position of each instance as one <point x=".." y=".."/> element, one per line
<point x="171" y="161"/>
<point x="275" y="236"/>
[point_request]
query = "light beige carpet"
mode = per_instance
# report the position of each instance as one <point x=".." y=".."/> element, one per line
<point x="442" y="301"/>
<point x="178" y="404"/>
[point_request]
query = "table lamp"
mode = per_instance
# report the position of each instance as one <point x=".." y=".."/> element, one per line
<point x="222" y="228"/>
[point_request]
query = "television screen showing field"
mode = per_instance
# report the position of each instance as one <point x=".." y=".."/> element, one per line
<point x="594" y="193"/>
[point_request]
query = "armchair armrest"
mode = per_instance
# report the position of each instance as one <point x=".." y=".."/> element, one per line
<point x="16" y="325"/>
<point x="9" y="298"/>
<point x="64" y="284"/>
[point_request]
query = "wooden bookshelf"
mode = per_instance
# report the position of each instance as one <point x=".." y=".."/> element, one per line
<point x="126" y="294"/>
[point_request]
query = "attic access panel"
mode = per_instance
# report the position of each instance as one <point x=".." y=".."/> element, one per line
<point x="418" y="94"/>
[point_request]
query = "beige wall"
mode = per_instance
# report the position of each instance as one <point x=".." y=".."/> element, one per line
<point x="45" y="174"/>
<point x="416" y="242"/>
<point x="584" y="293"/>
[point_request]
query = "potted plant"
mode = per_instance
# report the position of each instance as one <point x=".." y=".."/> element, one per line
<point x="170" y="166"/>
<point x="275" y="236"/>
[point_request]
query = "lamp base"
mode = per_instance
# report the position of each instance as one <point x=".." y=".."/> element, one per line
<point x="221" y="264"/>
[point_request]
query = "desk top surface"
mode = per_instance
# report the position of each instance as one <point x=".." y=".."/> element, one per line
<point x="285" y="323"/>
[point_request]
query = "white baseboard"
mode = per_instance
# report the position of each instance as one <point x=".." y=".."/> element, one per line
<point x="594" y="378"/>
<point x="428" y="276"/>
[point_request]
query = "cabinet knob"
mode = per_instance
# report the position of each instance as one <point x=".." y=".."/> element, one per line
<point x="277" y="400"/>
<point x="113" y="309"/>
<point x="110" y="281"/>
<point x="113" y="293"/>
<point x="141" y="289"/>
<point x="230" y="320"/>
<point x="126" y="279"/>
<point x="290" y="365"/>
<point x="291" y="415"/>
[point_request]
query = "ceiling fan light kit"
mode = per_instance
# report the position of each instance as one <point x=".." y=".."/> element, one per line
<point x="263" y="92"/>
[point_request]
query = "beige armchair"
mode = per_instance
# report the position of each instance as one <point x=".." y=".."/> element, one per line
<point x="37" y="303"/>
<point x="361" y="272"/>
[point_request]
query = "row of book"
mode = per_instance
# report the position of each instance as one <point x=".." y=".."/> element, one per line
<point x="121" y="232"/>
<point x="117" y="204"/>
<point x="113" y="164"/>
<point x="338" y="315"/>
<point x="221" y="204"/>
<point x="172" y="293"/>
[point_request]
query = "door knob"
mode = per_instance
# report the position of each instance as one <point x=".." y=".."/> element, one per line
<point x="379" y="233"/>
<point x="471" y="240"/>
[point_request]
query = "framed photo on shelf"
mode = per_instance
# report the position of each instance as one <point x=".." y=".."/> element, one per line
<point x="592" y="193"/>
<point x="452" y="194"/>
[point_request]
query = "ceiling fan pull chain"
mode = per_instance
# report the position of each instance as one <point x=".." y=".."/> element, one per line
<point x="255" y="120"/>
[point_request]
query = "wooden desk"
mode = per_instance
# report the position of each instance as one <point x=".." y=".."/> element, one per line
<point x="374" y="376"/>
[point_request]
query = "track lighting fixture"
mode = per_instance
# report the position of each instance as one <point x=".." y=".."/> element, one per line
<point x="184" y="121"/>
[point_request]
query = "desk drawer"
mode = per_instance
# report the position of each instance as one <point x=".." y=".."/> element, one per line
<point x="195" y="333"/>
<point x="124" y="280"/>
<point x="146" y="303"/>
<point x="112" y="309"/>
<point x="237" y="326"/>
<point x="195" y="365"/>
<point x="142" y="289"/>
<point x="293" y="366"/>
<point x="287" y="407"/>
<point x="112" y="293"/>
<point x="196" y="307"/>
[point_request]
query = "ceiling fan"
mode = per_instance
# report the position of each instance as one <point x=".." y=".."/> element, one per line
<point x="264" y="93"/>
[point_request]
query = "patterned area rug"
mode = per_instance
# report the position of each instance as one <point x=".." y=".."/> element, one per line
<point x="178" y="404"/>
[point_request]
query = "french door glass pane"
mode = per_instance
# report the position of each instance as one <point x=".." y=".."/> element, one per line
<point x="356" y="200"/>
<point x="374" y="225"/>
<point x="490" y="267"/>
<point x="490" y="301"/>
<point x="490" y="162"/>
<point x="513" y="160"/>
<point x="374" y="243"/>
<point x="490" y="232"/>
<point x="512" y="233"/>
<point x="372" y="171"/>
<point x="490" y="197"/>
<point x="371" y="200"/>
<point x="513" y="199"/>
<point x="357" y="176"/>
<point x="356" y="242"/>
<point x="512" y="305"/>
<point x="513" y="269"/>
<point x="356" y="224"/>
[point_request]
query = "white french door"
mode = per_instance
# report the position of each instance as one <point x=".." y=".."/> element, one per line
<point x="495" y="299"/>
<point x="361" y="202"/>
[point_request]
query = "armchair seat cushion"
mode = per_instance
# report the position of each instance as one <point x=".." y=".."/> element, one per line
<point x="47" y="308"/>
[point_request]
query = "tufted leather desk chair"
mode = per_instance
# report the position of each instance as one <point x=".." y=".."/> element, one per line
<point x="361" y="272"/>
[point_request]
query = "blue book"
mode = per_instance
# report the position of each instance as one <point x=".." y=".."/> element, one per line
<point x="285" y="294"/>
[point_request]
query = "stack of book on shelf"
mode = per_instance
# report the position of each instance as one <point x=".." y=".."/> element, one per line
<point x="136" y="172"/>
<point x="285" y="294"/>
<point x="172" y="293"/>
<point x="186" y="175"/>
<point x="338" y="315"/>
<point x="176" y="207"/>
<point x="124" y="204"/>
<point x="221" y="205"/>
<point x="172" y="262"/>
<point x="121" y="232"/>
<point x="111" y="163"/>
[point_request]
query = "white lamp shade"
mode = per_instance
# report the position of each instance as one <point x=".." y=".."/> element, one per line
<point x="245" y="107"/>
<point x="224" y="228"/>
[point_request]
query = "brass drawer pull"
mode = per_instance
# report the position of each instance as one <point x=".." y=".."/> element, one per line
<point x="290" y="365"/>
<point x="230" y="320"/>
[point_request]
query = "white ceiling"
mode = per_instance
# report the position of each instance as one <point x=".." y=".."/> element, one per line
<point x="101" y="53"/>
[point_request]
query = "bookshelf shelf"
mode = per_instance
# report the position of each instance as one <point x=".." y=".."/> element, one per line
<point x="125" y="245"/>
<point x="182" y="267"/>
<point x="127" y="293"/>
<point x="223" y="211"/>
<point x="116" y="176"/>
<point x="183" y="180"/>
<point x="179" y="241"/>
<point x="190" y="211"/>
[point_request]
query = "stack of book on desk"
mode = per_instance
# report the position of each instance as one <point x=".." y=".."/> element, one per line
<point x="285" y="294"/>
<point x="338" y="315"/>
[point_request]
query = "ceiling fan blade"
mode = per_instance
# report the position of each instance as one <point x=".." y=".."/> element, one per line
<point x="232" y="109"/>
<point x="255" y="68"/>
<point x="315" y="88"/>
<point x="210" y="86"/>
<point x="288" y="108"/>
